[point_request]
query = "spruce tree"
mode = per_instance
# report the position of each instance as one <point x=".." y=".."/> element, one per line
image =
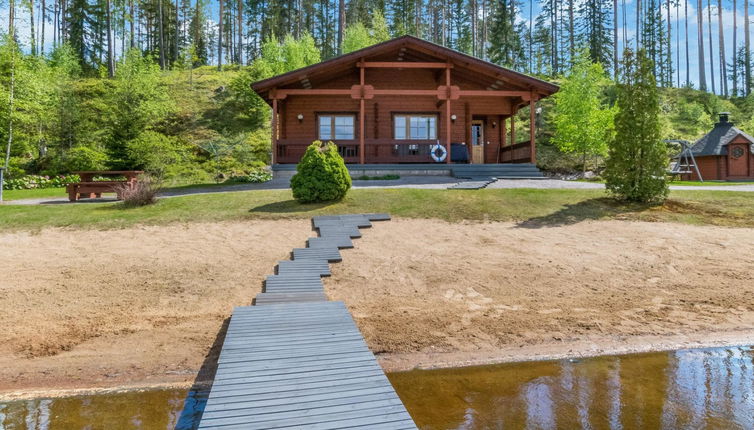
<point x="637" y="159"/>
<point x="505" y="43"/>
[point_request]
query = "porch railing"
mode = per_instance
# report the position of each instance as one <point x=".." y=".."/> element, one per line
<point x="374" y="152"/>
<point x="517" y="153"/>
<point x="290" y="152"/>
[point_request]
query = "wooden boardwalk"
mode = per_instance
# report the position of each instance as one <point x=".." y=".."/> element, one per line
<point x="298" y="361"/>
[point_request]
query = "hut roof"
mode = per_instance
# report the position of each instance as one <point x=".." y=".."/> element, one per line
<point x="716" y="141"/>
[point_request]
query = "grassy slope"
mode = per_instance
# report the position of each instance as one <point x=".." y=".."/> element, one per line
<point x="533" y="208"/>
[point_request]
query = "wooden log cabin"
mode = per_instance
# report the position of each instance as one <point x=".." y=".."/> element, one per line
<point x="393" y="102"/>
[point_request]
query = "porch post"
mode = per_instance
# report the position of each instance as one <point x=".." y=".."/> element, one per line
<point x="361" y="114"/>
<point x="447" y="113"/>
<point x="532" y="125"/>
<point x="503" y="137"/>
<point x="513" y="128"/>
<point x="274" y="130"/>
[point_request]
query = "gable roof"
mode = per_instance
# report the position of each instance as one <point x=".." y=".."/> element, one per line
<point x="715" y="142"/>
<point x="457" y="58"/>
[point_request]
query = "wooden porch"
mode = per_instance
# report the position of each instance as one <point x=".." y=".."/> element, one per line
<point x="289" y="151"/>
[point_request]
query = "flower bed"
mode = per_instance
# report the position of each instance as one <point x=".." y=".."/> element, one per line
<point x="30" y="182"/>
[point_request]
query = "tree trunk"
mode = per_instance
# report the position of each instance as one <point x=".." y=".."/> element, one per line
<point x="42" y="27"/>
<point x="531" y="36"/>
<point x="161" y="35"/>
<point x="669" y="73"/>
<point x="31" y="28"/>
<point x="686" y="21"/>
<point x="554" y="29"/>
<point x="110" y="57"/>
<point x="733" y="50"/>
<point x="638" y="24"/>
<point x="721" y="41"/>
<point x="747" y="50"/>
<point x="615" y="39"/>
<point x="131" y="23"/>
<point x="571" y="32"/>
<point x="700" y="44"/>
<point x="239" y="25"/>
<point x="341" y="24"/>
<point x="711" y="55"/>
<point x="220" y="38"/>
<point x="11" y="92"/>
<point x="176" y="36"/>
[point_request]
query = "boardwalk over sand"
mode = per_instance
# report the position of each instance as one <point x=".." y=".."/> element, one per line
<point x="298" y="361"/>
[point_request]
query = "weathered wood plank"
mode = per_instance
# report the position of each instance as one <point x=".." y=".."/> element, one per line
<point x="302" y="365"/>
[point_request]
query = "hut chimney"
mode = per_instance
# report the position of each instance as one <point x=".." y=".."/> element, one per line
<point x="724" y="117"/>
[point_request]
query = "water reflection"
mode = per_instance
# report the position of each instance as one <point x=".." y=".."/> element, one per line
<point x="708" y="388"/>
<point x="703" y="388"/>
<point x="155" y="409"/>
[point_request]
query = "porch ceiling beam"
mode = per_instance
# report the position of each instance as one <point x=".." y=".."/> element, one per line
<point x="493" y="93"/>
<point x="369" y="92"/>
<point x="402" y="65"/>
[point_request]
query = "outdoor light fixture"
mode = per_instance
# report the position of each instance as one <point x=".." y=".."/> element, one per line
<point x="453" y="118"/>
<point x="494" y="124"/>
<point x="300" y="117"/>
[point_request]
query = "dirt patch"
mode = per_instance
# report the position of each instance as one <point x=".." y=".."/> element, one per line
<point x="434" y="293"/>
<point x="144" y="306"/>
<point x="133" y="306"/>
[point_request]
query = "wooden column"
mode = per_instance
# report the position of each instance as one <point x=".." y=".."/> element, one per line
<point x="362" y="156"/>
<point x="532" y="129"/>
<point x="513" y="128"/>
<point x="447" y="113"/>
<point x="273" y="131"/>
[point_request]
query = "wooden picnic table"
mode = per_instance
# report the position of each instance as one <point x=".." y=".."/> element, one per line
<point x="89" y="188"/>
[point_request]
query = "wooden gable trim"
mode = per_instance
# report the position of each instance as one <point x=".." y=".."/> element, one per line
<point x="454" y="57"/>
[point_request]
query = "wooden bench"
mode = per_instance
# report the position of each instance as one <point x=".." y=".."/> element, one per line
<point x="89" y="188"/>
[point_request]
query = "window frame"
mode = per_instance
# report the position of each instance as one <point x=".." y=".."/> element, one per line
<point x="333" y="116"/>
<point x="408" y="116"/>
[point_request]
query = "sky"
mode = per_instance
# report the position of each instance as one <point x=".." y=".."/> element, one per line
<point x="23" y="31"/>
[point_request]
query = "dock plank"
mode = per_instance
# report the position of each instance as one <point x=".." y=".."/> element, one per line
<point x="299" y="374"/>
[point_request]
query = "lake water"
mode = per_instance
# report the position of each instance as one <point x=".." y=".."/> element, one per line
<point x="699" y="388"/>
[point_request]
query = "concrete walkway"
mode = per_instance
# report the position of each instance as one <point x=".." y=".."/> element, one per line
<point x="420" y="182"/>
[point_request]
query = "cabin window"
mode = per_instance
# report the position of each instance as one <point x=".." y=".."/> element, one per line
<point x="336" y="127"/>
<point x="415" y="127"/>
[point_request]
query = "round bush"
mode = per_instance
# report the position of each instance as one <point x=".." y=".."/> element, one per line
<point x="321" y="175"/>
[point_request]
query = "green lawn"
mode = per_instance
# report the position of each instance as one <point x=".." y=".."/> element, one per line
<point x="44" y="193"/>
<point x="10" y="195"/>
<point x="689" y="183"/>
<point x="531" y="208"/>
<point x="709" y="183"/>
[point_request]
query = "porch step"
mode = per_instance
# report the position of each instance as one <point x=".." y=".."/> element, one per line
<point x="499" y="171"/>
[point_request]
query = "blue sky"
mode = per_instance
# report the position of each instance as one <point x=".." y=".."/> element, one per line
<point x="23" y="29"/>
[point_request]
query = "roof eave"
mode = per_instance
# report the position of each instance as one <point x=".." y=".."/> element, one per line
<point x="262" y="87"/>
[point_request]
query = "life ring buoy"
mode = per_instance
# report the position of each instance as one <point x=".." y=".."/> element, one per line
<point x="438" y="153"/>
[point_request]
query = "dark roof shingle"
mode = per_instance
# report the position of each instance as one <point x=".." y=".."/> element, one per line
<point x="715" y="142"/>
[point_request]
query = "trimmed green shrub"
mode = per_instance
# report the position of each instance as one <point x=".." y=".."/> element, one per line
<point x="82" y="158"/>
<point x="321" y="175"/>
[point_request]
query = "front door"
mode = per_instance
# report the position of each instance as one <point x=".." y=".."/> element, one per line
<point x="738" y="160"/>
<point x="477" y="142"/>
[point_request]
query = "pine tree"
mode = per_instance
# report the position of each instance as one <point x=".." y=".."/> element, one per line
<point x="595" y="30"/>
<point x="505" y="43"/>
<point x="637" y="160"/>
